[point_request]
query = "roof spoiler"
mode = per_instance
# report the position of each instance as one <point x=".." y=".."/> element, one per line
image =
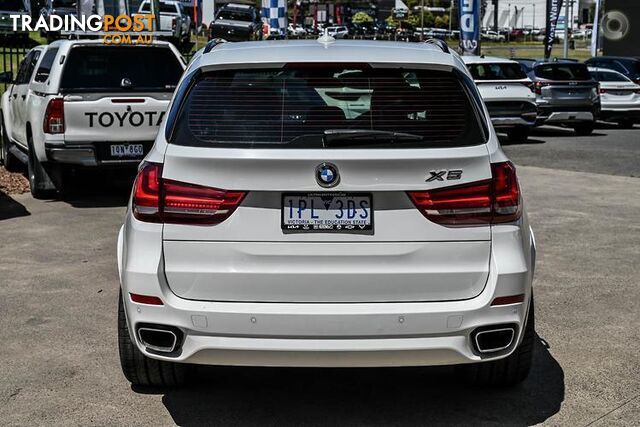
<point x="440" y="43"/>
<point x="211" y="44"/>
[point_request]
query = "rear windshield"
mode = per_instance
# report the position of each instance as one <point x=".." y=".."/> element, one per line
<point x="496" y="71"/>
<point x="235" y="15"/>
<point x="605" y="76"/>
<point x="563" y="72"/>
<point x="298" y="107"/>
<point x="12" y="5"/>
<point x="120" y="68"/>
<point x="164" y="8"/>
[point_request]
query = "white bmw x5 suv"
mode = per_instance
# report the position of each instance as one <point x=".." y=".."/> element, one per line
<point x="328" y="204"/>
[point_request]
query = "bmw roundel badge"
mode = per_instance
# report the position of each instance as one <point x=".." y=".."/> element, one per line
<point x="327" y="175"/>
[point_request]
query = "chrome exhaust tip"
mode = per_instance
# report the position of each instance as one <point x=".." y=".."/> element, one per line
<point x="159" y="339"/>
<point x="493" y="339"/>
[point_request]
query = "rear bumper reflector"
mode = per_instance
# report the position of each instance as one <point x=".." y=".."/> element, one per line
<point x="511" y="299"/>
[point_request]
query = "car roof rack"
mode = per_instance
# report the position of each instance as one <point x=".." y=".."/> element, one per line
<point x="440" y="43"/>
<point x="212" y="43"/>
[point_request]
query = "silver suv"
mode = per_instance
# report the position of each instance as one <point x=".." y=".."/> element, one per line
<point x="566" y="94"/>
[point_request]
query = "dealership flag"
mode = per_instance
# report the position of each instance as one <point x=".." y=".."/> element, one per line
<point x="553" y="11"/>
<point x="469" y="18"/>
<point x="596" y="28"/>
<point x="274" y="14"/>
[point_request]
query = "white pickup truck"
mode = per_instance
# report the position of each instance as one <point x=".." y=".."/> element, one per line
<point x="78" y="104"/>
<point x="172" y="18"/>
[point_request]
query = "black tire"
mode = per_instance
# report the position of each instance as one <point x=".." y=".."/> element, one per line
<point x="518" y="134"/>
<point x="10" y="162"/>
<point x="141" y="370"/>
<point x="40" y="183"/>
<point x="584" y="129"/>
<point x="509" y="371"/>
<point x="625" y="124"/>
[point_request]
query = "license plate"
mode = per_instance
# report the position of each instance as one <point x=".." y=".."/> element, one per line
<point x="327" y="213"/>
<point x="127" y="150"/>
<point x="620" y="92"/>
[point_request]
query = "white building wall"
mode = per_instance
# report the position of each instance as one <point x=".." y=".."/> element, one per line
<point x="507" y="15"/>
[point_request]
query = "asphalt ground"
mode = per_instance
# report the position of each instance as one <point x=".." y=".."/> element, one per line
<point x="58" y="298"/>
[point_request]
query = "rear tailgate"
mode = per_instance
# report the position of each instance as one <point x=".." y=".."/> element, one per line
<point x="114" y="117"/>
<point x="253" y="256"/>
<point x="117" y="93"/>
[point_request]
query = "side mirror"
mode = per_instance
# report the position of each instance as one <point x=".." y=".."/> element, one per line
<point x="6" y="77"/>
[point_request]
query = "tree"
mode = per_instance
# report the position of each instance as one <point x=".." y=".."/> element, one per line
<point x="361" y="18"/>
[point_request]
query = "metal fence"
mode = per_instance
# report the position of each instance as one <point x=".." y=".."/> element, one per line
<point x="10" y="61"/>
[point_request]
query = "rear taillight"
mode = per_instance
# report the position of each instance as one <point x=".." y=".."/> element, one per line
<point x="161" y="200"/>
<point x="530" y="85"/>
<point x="173" y="23"/>
<point x="492" y="201"/>
<point x="602" y="90"/>
<point x="54" y="116"/>
<point x="539" y="86"/>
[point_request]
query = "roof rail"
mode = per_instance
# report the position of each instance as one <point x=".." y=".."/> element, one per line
<point x="211" y="44"/>
<point x="440" y="43"/>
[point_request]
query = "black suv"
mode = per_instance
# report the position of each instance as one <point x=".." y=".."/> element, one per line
<point x="236" y="22"/>
<point x="630" y="67"/>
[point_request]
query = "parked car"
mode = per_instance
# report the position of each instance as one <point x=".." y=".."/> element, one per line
<point x="83" y="104"/>
<point x="315" y="229"/>
<point x="236" y="22"/>
<point x="172" y="17"/>
<point x="493" y="36"/>
<point x="628" y="66"/>
<point x="619" y="97"/>
<point x="296" y="30"/>
<point x="338" y="32"/>
<point x="566" y="94"/>
<point x="13" y="7"/>
<point x="60" y="8"/>
<point x="507" y="93"/>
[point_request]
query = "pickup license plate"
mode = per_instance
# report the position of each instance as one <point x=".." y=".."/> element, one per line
<point x="127" y="150"/>
<point x="327" y="213"/>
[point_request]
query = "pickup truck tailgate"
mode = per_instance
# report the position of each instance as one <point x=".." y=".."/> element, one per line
<point x="105" y="117"/>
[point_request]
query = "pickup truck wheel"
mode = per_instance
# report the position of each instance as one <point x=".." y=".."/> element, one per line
<point x="141" y="370"/>
<point x="584" y="129"/>
<point x="509" y="371"/>
<point x="40" y="183"/>
<point x="10" y="162"/>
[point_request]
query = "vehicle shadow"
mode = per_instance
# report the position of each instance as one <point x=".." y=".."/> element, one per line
<point x="504" y="140"/>
<point x="9" y="208"/>
<point x="553" y="131"/>
<point x="368" y="396"/>
<point x="99" y="190"/>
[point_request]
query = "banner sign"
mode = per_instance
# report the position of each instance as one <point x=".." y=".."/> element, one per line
<point x="553" y="12"/>
<point x="274" y="14"/>
<point x="469" y="18"/>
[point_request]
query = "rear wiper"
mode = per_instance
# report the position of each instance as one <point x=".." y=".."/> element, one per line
<point x="334" y="137"/>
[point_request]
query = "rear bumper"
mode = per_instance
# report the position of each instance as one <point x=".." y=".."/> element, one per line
<point x="90" y="154"/>
<point x="613" y="113"/>
<point x="550" y="114"/>
<point x="509" y="122"/>
<point x="326" y="334"/>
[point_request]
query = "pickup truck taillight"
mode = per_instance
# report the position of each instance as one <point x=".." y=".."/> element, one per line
<point x="173" y="23"/>
<point x="173" y="202"/>
<point x="54" y="116"/>
<point x="491" y="201"/>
